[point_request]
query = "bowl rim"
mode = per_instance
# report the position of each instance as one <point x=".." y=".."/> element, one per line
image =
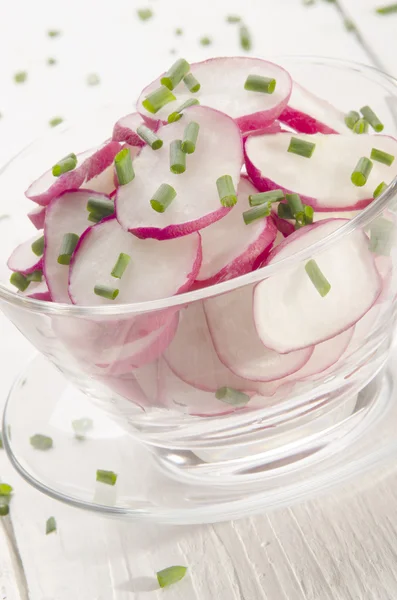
<point x="361" y="220"/>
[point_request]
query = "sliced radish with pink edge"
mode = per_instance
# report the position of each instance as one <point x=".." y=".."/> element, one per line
<point x="275" y="127"/>
<point x="23" y="259"/>
<point x="37" y="216"/>
<point x="324" y="180"/>
<point x="38" y="291"/>
<point x="230" y="247"/>
<point x="125" y="130"/>
<point x="300" y="316"/>
<point x="90" y="165"/>
<point x="222" y="88"/>
<point x="156" y="270"/>
<point x="139" y="386"/>
<point x="308" y="113"/>
<point x="196" y="205"/>
<point x="66" y="214"/>
<point x="231" y="324"/>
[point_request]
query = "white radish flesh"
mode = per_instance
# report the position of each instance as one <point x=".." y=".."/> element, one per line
<point x="230" y="247"/>
<point x="324" y="180"/>
<point x="23" y="259"/>
<point x="38" y="291"/>
<point x="125" y="130"/>
<point x="300" y="316"/>
<point x="156" y="269"/>
<point x="37" y="216"/>
<point x="197" y="204"/>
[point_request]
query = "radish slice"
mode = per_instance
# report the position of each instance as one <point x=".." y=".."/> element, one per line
<point x="140" y="387"/>
<point x="230" y="247"/>
<point x="307" y="113"/>
<point x="66" y="214"/>
<point x="231" y="324"/>
<point x="125" y="130"/>
<point x="287" y="226"/>
<point x="37" y="216"/>
<point x="38" y="291"/>
<point x="157" y="269"/>
<point x="197" y="205"/>
<point x="90" y="165"/>
<point x="300" y="317"/>
<point x="222" y="88"/>
<point x="324" y="180"/>
<point x="23" y="259"/>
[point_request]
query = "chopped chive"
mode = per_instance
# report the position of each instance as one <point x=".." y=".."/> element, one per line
<point x="50" y="525"/>
<point x="36" y="276"/>
<point x="361" y="126"/>
<point x="284" y="211"/>
<point x="162" y="198"/>
<point x="149" y="137"/>
<point x="157" y="99"/>
<point x="371" y="118"/>
<point x="175" y="74"/>
<point x="386" y="10"/>
<point x="380" y="189"/>
<point x="351" y="118"/>
<point x="170" y="575"/>
<point x="191" y="83"/>
<point x="257" y="83"/>
<point x="121" y="265"/>
<point x="382" y="157"/>
<point x="295" y="203"/>
<point x="55" y="121"/>
<point x="309" y="214"/>
<point x="178" y="31"/>
<point x="1" y="441"/>
<point x="38" y="246"/>
<point x="68" y="163"/>
<point x="257" y="212"/>
<point x="144" y="14"/>
<point x="41" y="442"/>
<point x="124" y="169"/>
<point x="95" y="217"/>
<point x="81" y="426"/>
<point x="20" y="281"/>
<point x="205" y="41"/>
<point x="190" y="136"/>
<point x="68" y="246"/>
<point x="245" y="38"/>
<point x="301" y="147"/>
<point x="226" y="191"/>
<point x="177" y="158"/>
<point x="262" y="197"/>
<point x="107" y="477"/>
<point x="233" y="19"/>
<point x="51" y="61"/>
<point x="53" y="33"/>
<point x="4" y="510"/>
<point x="93" y="79"/>
<point x="232" y="396"/>
<point x="317" y="278"/>
<point x="20" y="77"/>
<point x="106" y="292"/>
<point x="5" y="490"/>
<point x="177" y="114"/>
<point x="362" y="171"/>
<point x="102" y="207"/>
<point x="349" y="24"/>
<point x="382" y="236"/>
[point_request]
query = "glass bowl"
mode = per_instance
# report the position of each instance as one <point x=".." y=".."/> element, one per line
<point x="161" y="395"/>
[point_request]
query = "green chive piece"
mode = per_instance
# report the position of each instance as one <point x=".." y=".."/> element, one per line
<point x="38" y="246"/>
<point x="309" y="214"/>
<point x="20" y="281"/>
<point x="170" y="575"/>
<point x="53" y="33"/>
<point x="1" y="441"/>
<point x="51" y="61"/>
<point x="100" y="206"/>
<point x="5" y="490"/>
<point x="36" y="276"/>
<point x="380" y="189"/>
<point x="149" y="137"/>
<point x="190" y="136"/>
<point x="233" y="19"/>
<point x="317" y="278"/>
<point x="20" y="77"/>
<point x="361" y="126"/>
<point x="4" y="510"/>
<point x="93" y="79"/>
<point x="382" y="157"/>
<point x="175" y="74"/>
<point x="387" y="10"/>
<point x="351" y="118"/>
<point x="107" y="477"/>
<point x="284" y="211"/>
<point x="177" y="158"/>
<point x="178" y="31"/>
<point x="257" y="83"/>
<point x="349" y="25"/>
<point x="55" y="121"/>
<point x="295" y="204"/>
<point x="304" y="217"/>
<point x="262" y="197"/>
<point x="162" y="198"/>
<point x="157" y="99"/>
<point x="106" y="292"/>
<point x="226" y="191"/>
<point x="205" y="41"/>
<point x="41" y="442"/>
<point x="191" y="83"/>
<point x="382" y="236"/>
<point x="232" y="396"/>
<point x="144" y="14"/>
<point x="95" y="217"/>
<point x="121" y="265"/>
<point x="257" y="212"/>
<point x="245" y="38"/>
<point x="50" y="525"/>
<point x="371" y="118"/>
<point x="362" y="171"/>
<point x="68" y="246"/>
<point x="301" y="147"/>
<point x="81" y="426"/>
<point x="68" y="163"/>
<point x="177" y="114"/>
<point x="124" y="169"/>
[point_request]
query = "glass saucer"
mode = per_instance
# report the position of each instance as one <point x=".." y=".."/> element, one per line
<point x="43" y="402"/>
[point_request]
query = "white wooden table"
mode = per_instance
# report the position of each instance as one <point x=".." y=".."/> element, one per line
<point x="339" y="546"/>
